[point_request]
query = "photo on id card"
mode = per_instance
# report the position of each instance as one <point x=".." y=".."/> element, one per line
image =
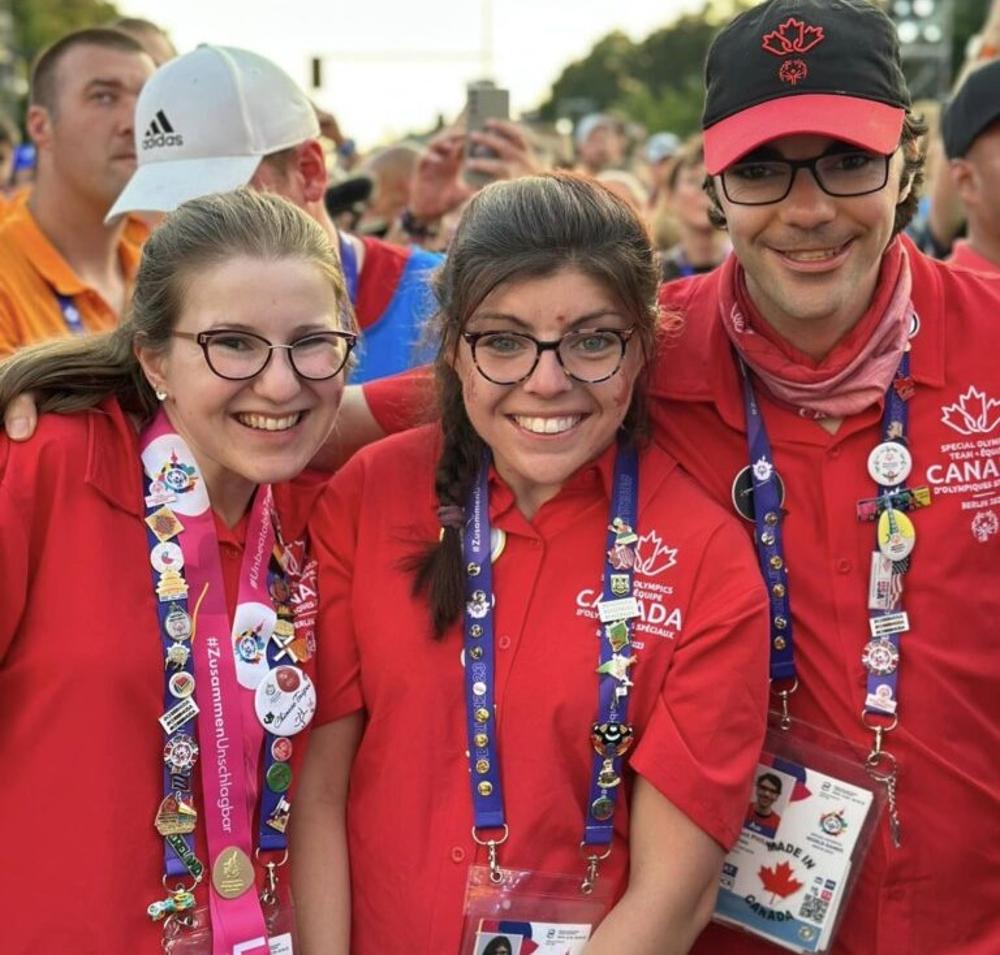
<point x="789" y="873"/>
<point x="530" y="938"/>
<point x="530" y="913"/>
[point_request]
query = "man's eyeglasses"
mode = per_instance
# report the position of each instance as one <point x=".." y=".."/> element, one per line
<point x="760" y="182"/>
<point x="588" y="355"/>
<point x="239" y="356"/>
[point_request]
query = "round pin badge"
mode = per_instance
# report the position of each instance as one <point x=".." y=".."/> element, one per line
<point x="498" y="541"/>
<point x="602" y="809"/>
<point x="281" y="749"/>
<point x="180" y="753"/>
<point x="742" y="490"/>
<point x="880" y="657"/>
<point x="181" y="685"/>
<point x="896" y="535"/>
<point x="178" y="624"/>
<point x="889" y="463"/>
<point x="285" y="701"/>
<point x="167" y="556"/>
<point x="279" y="777"/>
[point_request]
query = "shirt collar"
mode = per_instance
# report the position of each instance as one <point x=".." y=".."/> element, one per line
<point x="48" y="261"/>
<point x="698" y="365"/>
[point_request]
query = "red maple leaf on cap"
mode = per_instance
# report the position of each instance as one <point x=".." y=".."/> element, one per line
<point x="779" y="880"/>
<point x="793" y="36"/>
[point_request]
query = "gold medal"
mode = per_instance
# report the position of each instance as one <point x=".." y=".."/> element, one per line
<point x="232" y="873"/>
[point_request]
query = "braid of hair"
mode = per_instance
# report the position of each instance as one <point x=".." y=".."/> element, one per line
<point x="439" y="572"/>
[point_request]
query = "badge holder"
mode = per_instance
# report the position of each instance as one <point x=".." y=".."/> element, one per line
<point x="536" y="913"/>
<point x="190" y="933"/>
<point x="812" y="813"/>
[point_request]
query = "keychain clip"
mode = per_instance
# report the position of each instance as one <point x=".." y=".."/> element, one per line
<point x="496" y="874"/>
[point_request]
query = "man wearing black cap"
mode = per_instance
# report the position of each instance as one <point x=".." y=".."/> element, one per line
<point x="842" y="392"/>
<point x="970" y="128"/>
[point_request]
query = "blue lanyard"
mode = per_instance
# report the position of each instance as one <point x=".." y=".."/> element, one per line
<point x="888" y="622"/>
<point x="611" y="735"/>
<point x="767" y="493"/>
<point x="893" y="542"/>
<point x="768" y="517"/>
<point x="349" y="266"/>
<point x="70" y="314"/>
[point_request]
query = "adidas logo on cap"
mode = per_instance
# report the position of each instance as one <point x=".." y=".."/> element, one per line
<point x="161" y="133"/>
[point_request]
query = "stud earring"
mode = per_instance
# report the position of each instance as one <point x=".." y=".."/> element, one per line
<point x="161" y="395"/>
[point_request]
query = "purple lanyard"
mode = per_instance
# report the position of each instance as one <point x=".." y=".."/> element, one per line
<point x="70" y="314"/>
<point x="888" y="623"/>
<point x="611" y="736"/>
<point x="349" y="266"/>
<point x="768" y="515"/>
<point x="767" y="501"/>
<point x="889" y="465"/>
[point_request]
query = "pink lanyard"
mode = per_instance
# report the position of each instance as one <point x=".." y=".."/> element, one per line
<point x="229" y="733"/>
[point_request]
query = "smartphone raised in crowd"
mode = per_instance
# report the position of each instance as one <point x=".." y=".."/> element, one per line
<point x="484" y="102"/>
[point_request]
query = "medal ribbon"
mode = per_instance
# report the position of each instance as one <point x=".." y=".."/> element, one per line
<point x="767" y="533"/>
<point x="487" y="792"/>
<point x="229" y="733"/>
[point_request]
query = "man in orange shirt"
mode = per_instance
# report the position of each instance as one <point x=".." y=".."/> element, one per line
<point x="63" y="270"/>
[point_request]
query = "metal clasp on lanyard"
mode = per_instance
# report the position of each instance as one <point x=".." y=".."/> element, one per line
<point x="784" y="696"/>
<point x="269" y="894"/>
<point x="882" y="767"/>
<point x="496" y="875"/>
<point x="593" y="861"/>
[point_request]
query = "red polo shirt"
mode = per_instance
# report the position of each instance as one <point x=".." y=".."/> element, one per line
<point x="697" y="704"/>
<point x="939" y="892"/>
<point x="81" y="688"/>
<point x="965" y="257"/>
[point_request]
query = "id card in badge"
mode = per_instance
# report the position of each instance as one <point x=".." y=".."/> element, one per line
<point x="805" y="836"/>
<point x="530" y="913"/>
<point x="193" y="936"/>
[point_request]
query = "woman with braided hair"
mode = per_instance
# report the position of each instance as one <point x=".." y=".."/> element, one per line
<point x="544" y="649"/>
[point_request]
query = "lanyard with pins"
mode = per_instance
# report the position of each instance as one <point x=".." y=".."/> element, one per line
<point x="611" y="735"/>
<point x="889" y="464"/>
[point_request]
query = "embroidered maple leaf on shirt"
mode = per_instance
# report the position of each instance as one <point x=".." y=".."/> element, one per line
<point x="779" y="880"/>
<point x="793" y="36"/>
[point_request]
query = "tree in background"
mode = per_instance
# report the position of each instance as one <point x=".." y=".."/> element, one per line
<point x="659" y="81"/>
<point x="37" y="23"/>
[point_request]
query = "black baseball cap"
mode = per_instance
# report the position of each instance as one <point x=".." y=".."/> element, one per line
<point x="823" y="67"/>
<point x="974" y="107"/>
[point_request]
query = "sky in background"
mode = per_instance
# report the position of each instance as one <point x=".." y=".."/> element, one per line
<point x="391" y="66"/>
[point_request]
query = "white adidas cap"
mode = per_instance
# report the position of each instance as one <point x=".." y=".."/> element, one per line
<point x="203" y="122"/>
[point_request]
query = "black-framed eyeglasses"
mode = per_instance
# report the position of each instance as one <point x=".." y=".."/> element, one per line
<point x="239" y="356"/>
<point x="761" y="182"/>
<point x="588" y="355"/>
